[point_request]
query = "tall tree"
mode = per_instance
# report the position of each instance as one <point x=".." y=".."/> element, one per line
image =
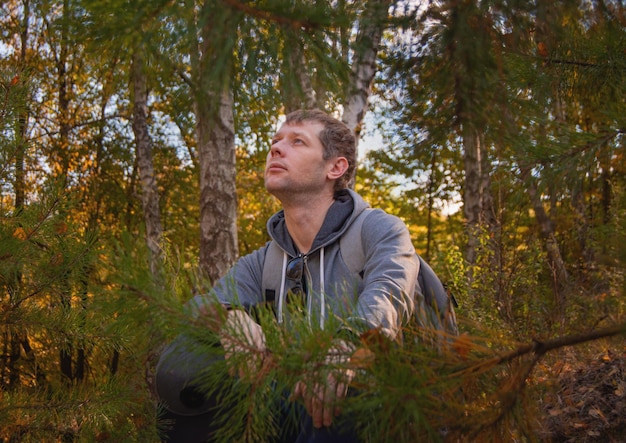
<point x="296" y="86"/>
<point x="510" y="76"/>
<point x="14" y="339"/>
<point x="143" y="147"/>
<point x="450" y="54"/>
<point x="215" y="133"/>
<point x="372" y="23"/>
<point x="472" y="69"/>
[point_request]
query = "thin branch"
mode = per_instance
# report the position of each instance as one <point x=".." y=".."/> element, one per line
<point x="270" y="16"/>
<point x="540" y="348"/>
<point x="537" y="348"/>
<point x="558" y="61"/>
<point x="494" y="408"/>
<point x="589" y="145"/>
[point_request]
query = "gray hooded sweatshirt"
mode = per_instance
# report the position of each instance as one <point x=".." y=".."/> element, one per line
<point x="379" y="296"/>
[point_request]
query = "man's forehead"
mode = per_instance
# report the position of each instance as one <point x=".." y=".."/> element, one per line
<point x="305" y="127"/>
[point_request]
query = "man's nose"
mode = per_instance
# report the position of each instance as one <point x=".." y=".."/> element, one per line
<point x="276" y="148"/>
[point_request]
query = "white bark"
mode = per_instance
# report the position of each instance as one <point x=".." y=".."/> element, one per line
<point x="143" y="148"/>
<point x="218" y="198"/>
<point x="215" y="134"/>
<point x="298" y="92"/>
<point x="373" y="23"/>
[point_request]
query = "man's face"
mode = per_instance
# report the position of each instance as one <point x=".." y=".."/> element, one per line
<point x="295" y="162"/>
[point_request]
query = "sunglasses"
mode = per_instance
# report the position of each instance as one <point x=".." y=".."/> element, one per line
<point x="294" y="272"/>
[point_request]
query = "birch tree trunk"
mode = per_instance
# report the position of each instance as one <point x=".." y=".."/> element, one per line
<point x="215" y="133"/>
<point x="477" y="202"/>
<point x="20" y="145"/>
<point x="143" y="147"/>
<point x="373" y="23"/>
<point x="297" y="89"/>
<point x="218" y="197"/>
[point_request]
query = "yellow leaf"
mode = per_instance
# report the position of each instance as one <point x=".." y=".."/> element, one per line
<point x="19" y="233"/>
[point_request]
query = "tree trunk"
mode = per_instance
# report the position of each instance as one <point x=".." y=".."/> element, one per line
<point x="22" y="118"/>
<point x="143" y="147"/>
<point x="547" y="16"/>
<point x="66" y="362"/>
<point x="96" y="188"/>
<point x="431" y="204"/>
<point x="560" y="276"/>
<point x="373" y="23"/>
<point x="297" y="90"/>
<point x="215" y="133"/>
<point x="218" y="198"/>
<point x="468" y="51"/>
<point x="62" y="149"/>
<point x="11" y="351"/>
<point x="476" y="200"/>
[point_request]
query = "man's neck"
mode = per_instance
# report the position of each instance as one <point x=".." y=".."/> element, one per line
<point x="304" y="220"/>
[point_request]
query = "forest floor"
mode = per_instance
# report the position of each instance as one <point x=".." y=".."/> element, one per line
<point x="588" y="399"/>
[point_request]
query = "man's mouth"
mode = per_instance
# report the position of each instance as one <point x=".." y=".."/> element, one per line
<point x="275" y="167"/>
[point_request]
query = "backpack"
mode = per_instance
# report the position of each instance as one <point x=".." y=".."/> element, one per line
<point x="434" y="305"/>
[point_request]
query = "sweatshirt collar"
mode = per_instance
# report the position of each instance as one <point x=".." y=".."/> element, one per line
<point x="347" y="206"/>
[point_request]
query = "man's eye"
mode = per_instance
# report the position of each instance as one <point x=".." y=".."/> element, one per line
<point x="298" y="140"/>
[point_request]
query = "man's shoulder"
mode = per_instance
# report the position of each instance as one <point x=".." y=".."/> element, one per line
<point x="376" y="218"/>
<point x="252" y="263"/>
<point x="371" y="227"/>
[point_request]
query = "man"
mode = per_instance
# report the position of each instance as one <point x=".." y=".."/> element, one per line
<point x="309" y="167"/>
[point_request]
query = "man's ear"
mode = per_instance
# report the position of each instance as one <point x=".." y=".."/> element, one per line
<point x="338" y="167"/>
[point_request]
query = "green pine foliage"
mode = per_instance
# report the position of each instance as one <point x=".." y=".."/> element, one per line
<point x="57" y="340"/>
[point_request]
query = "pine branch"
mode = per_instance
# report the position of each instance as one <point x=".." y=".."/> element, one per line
<point x="558" y="61"/>
<point x="577" y="151"/>
<point x="540" y="348"/>
<point x="270" y="16"/>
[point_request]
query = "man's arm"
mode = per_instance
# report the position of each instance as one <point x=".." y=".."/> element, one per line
<point x="229" y="302"/>
<point x="389" y="275"/>
<point x="240" y="287"/>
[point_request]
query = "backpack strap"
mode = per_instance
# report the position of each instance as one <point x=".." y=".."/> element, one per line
<point x="272" y="280"/>
<point x="351" y="245"/>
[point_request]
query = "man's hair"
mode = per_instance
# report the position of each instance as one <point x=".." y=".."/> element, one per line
<point x="337" y="139"/>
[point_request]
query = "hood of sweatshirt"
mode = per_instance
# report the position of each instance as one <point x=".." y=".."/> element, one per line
<point x="346" y="207"/>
